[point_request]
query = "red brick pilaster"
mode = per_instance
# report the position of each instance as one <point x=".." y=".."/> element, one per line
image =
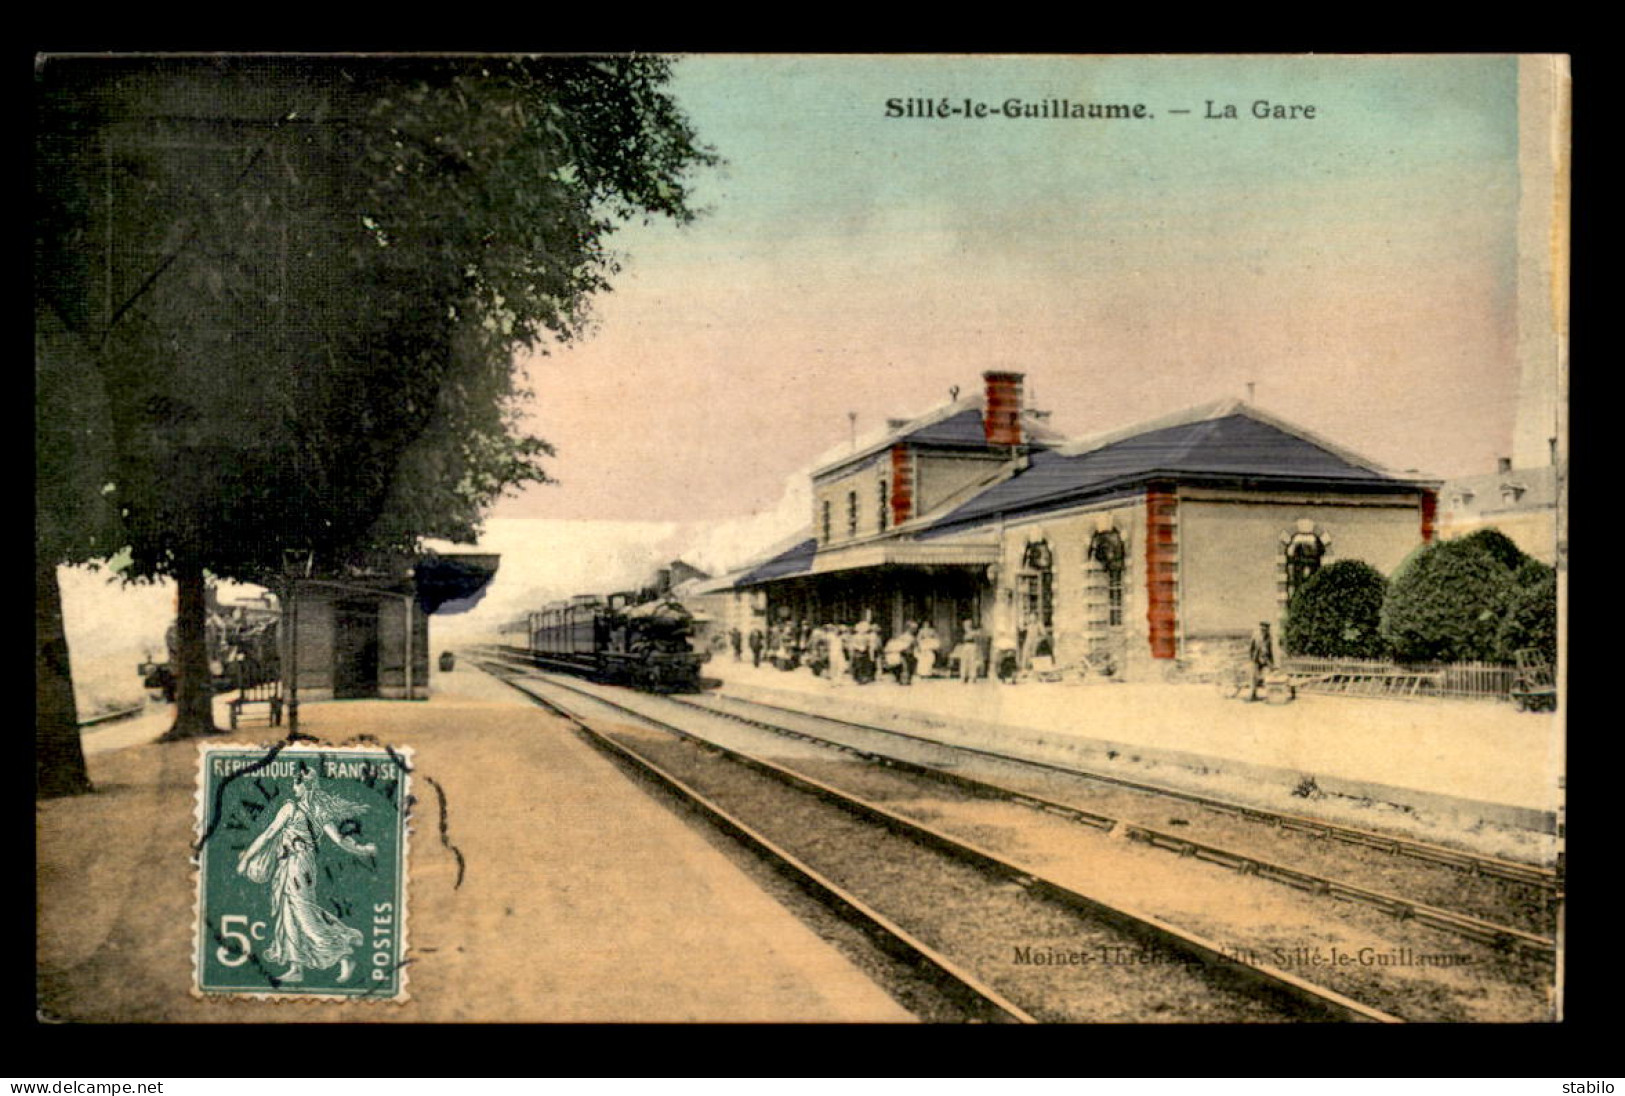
<point x="1430" y="510"/>
<point x="1162" y="571"/>
<point x="902" y="485"/>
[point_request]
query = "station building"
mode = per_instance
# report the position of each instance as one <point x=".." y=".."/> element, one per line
<point x="1160" y="546"/>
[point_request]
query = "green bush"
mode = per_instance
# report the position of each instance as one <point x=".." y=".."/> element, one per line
<point x="1499" y="546"/>
<point x="1446" y="603"/>
<point x="1531" y="614"/>
<point x="1337" y="613"/>
<point x="1533" y="572"/>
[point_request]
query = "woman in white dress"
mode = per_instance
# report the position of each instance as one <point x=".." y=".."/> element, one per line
<point x="304" y="934"/>
<point x="929" y="645"/>
<point x="837" y="654"/>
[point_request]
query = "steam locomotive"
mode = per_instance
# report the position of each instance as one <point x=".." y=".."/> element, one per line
<point x="618" y="640"/>
<point x="242" y="646"/>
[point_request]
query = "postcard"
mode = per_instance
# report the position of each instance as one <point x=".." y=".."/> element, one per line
<point x="834" y="539"/>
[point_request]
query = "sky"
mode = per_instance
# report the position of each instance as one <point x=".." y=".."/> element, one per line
<point x="1358" y="268"/>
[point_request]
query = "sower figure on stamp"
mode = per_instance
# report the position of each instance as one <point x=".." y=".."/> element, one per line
<point x="304" y="934"/>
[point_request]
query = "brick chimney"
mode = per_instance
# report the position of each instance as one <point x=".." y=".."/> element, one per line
<point x="1001" y="420"/>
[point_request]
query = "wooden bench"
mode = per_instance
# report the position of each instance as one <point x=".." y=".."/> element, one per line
<point x="252" y="690"/>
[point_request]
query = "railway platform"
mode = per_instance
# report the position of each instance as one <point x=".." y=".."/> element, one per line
<point x="1449" y="765"/>
<point x="545" y="886"/>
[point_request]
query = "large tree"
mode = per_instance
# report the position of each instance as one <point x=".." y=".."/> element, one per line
<point x="76" y="523"/>
<point x="303" y="284"/>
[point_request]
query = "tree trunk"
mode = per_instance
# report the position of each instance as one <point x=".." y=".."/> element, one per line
<point x="194" y="684"/>
<point x="59" y="756"/>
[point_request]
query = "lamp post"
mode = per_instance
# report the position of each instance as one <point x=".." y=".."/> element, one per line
<point x="296" y="564"/>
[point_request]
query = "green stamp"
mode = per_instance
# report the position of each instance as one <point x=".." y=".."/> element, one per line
<point x="301" y="860"/>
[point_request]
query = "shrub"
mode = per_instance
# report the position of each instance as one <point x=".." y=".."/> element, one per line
<point x="1533" y="572"/>
<point x="1499" y="546"/>
<point x="1446" y="602"/>
<point x="1337" y="613"/>
<point x="1531" y="615"/>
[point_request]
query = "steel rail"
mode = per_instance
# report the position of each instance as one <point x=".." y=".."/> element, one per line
<point x="976" y="997"/>
<point x="1217" y="961"/>
<point x="1399" y="846"/>
<point x="1501" y="937"/>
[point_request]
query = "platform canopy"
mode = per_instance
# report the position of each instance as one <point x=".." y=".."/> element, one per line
<point x="454" y="581"/>
<point x="905" y="553"/>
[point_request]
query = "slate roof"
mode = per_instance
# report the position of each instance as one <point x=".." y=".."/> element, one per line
<point x="956" y="425"/>
<point x="1226" y="443"/>
<point x="961" y="429"/>
<point x="1539" y="491"/>
<point x="794" y="561"/>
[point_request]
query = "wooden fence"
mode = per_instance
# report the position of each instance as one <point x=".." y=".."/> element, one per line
<point x="1372" y="677"/>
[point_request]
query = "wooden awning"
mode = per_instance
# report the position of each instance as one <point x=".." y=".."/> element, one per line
<point x="453" y="582"/>
<point x="905" y="553"/>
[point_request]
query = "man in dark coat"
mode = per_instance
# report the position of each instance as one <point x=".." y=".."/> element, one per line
<point x="1260" y="657"/>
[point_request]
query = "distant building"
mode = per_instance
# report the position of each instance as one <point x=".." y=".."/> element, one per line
<point x="1162" y="545"/>
<point x="1520" y="502"/>
<point x="731" y="605"/>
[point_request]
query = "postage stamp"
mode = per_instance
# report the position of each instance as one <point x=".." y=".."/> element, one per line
<point x="301" y="855"/>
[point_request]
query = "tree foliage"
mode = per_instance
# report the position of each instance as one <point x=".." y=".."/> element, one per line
<point x="1337" y="613"/>
<point x="1447" y="600"/>
<point x="1530" y="620"/>
<point x="301" y="285"/>
<point x="1498" y="546"/>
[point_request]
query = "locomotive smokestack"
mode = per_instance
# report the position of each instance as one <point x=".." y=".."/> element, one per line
<point x="1001" y="417"/>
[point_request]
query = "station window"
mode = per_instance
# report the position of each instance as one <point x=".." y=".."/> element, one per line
<point x="1303" y="555"/>
<point x="1038" y="584"/>
<point x="826" y="521"/>
<point x="851" y="513"/>
<point x="1106" y="549"/>
<point x="884" y="514"/>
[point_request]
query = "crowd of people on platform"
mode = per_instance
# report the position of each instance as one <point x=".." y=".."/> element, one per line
<point x="861" y="652"/>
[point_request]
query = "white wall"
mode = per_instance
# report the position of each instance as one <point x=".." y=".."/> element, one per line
<point x="1229" y="552"/>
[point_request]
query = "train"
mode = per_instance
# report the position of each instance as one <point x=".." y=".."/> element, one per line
<point x="616" y="639"/>
<point x="242" y="645"/>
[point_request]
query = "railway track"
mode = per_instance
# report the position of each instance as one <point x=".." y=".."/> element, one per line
<point x="1391" y="844"/>
<point x="1195" y="978"/>
<point x="1507" y="938"/>
<point x="1468" y="895"/>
